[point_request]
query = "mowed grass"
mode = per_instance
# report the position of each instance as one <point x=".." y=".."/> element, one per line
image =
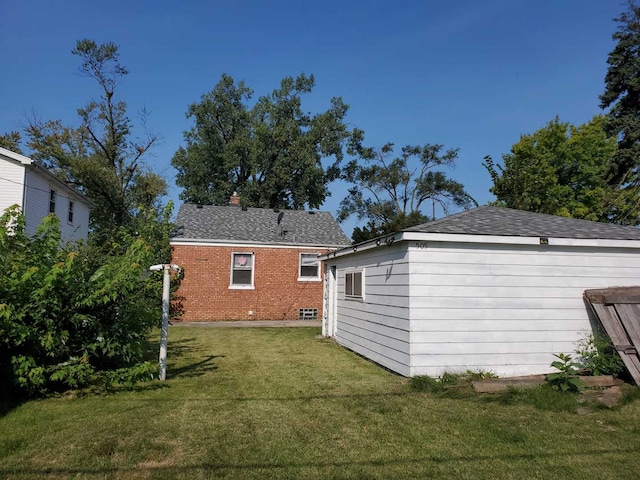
<point x="279" y="403"/>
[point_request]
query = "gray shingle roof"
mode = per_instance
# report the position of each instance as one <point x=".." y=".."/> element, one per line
<point x="259" y="225"/>
<point x="488" y="220"/>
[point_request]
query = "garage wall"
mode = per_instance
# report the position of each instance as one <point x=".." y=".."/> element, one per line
<point x="376" y="327"/>
<point x="505" y="308"/>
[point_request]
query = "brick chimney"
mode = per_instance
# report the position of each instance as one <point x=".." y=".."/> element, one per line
<point x="234" y="200"/>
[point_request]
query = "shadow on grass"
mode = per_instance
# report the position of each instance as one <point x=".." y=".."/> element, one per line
<point x="194" y="369"/>
<point x="8" y="404"/>
<point x="275" y="466"/>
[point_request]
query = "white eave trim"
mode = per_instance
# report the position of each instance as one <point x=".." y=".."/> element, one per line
<point x="480" y="239"/>
<point x="512" y="240"/>
<point x="15" y="156"/>
<point x="221" y="243"/>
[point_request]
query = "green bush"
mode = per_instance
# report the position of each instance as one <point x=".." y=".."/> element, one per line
<point x="598" y="355"/>
<point x="566" y="379"/>
<point x="70" y="318"/>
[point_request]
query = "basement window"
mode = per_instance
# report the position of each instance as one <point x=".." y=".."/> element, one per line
<point x="353" y="284"/>
<point x="308" y="314"/>
<point x="309" y="267"/>
<point x="241" y="270"/>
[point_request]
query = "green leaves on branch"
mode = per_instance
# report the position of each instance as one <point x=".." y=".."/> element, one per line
<point x="70" y="317"/>
<point x="271" y="152"/>
<point x="563" y="170"/>
<point x="622" y="97"/>
<point x="99" y="156"/>
<point x="391" y="193"/>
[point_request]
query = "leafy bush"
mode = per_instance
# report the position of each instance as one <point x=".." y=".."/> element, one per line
<point x="598" y="355"/>
<point x="566" y="379"/>
<point x="69" y="317"/>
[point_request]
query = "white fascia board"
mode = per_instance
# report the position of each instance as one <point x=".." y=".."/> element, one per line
<point x="513" y="240"/>
<point x="360" y="247"/>
<point x="15" y="156"/>
<point x="485" y="239"/>
<point x="219" y="243"/>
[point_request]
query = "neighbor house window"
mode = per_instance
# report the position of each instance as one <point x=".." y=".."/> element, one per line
<point x="309" y="267"/>
<point x="353" y="284"/>
<point x="52" y="201"/>
<point x="70" y="214"/>
<point x="241" y="270"/>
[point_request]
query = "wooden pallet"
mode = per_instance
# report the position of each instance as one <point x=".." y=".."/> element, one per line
<point x="618" y="309"/>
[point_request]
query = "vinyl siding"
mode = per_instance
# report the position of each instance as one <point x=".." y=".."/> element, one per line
<point x="37" y="207"/>
<point x="377" y="326"/>
<point x="11" y="183"/>
<point x="505" y="308"/>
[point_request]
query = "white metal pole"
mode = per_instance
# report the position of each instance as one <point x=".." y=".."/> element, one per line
<point x="165" y="322"/>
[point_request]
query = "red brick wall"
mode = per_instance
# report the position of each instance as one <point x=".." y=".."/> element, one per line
<point x="277" y="295"/>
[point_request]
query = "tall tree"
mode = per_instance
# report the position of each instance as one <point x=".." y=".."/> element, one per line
<point x="391" y="193"/>
<point x="562" y="170"/>
<point x="11" y="141"/>
<point x="622" y="97"/>
<point x="100" y="157"/>
<point x="270" y="152"/>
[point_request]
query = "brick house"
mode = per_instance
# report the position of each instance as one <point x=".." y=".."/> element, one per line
<point x="252" y="263"/>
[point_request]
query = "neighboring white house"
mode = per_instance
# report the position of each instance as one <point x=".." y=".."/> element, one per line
<point x="487" y="289"/>
<point x="38" y="192"/>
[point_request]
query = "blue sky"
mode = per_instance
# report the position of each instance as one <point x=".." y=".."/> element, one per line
<point x="463" y="73"/>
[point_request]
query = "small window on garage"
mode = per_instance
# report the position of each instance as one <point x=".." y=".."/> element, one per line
<point x="353" y="284"/>
<point x="241" y="270"/>
<point x="309" y="267"/>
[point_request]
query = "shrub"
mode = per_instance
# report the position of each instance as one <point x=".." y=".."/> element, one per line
<point x="598" y="355"/>
<point x="566" y="379"/>
<point x="67" y="316"/>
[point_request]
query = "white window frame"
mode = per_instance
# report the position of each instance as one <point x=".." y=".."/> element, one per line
<point x="318" y="277"/>
<point x="352" y="295"/>
<point x="240" y="286"/>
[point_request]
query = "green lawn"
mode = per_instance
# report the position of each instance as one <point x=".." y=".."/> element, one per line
<point x="278" y="403"/>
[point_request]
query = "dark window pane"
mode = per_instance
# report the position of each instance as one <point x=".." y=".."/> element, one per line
<point x="242" y="277"/>
<point x="310" y="271"/>
<point x="348" y="284"/>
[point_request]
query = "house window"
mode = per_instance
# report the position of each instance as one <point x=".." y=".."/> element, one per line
<point x="353" y="286"/>
<point x="309" y="267"/>
<point x="70" y="214"/>
<point x="52" y="201"/>
<point x="241" y="270"/>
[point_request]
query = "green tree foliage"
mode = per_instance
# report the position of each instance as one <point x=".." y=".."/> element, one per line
<point x="271" y="152"/>
<point x="390" y="193"/>
<point x="622" y="97"/>
<point x="66" y="319"/>
<point x="562" y="170"/>
<point x="11" y="141"/>
<point x="100" y="157"/>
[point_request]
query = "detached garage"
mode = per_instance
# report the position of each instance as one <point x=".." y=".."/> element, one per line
<point x="487" y="289"/>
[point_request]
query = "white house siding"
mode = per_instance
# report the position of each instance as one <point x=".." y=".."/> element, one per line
<point x="37" y="207"/>
<point x="378" y="327"/>
<point x="11" y="183"/>
<point x="505" y="308"/>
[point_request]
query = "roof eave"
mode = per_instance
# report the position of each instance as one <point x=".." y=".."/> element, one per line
<point x="223" y="242"/>
<point x="481" y="239"/>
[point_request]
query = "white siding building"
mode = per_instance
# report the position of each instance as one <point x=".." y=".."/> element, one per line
<point x="38" y="192"/>
<point x="487" y="289"/>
